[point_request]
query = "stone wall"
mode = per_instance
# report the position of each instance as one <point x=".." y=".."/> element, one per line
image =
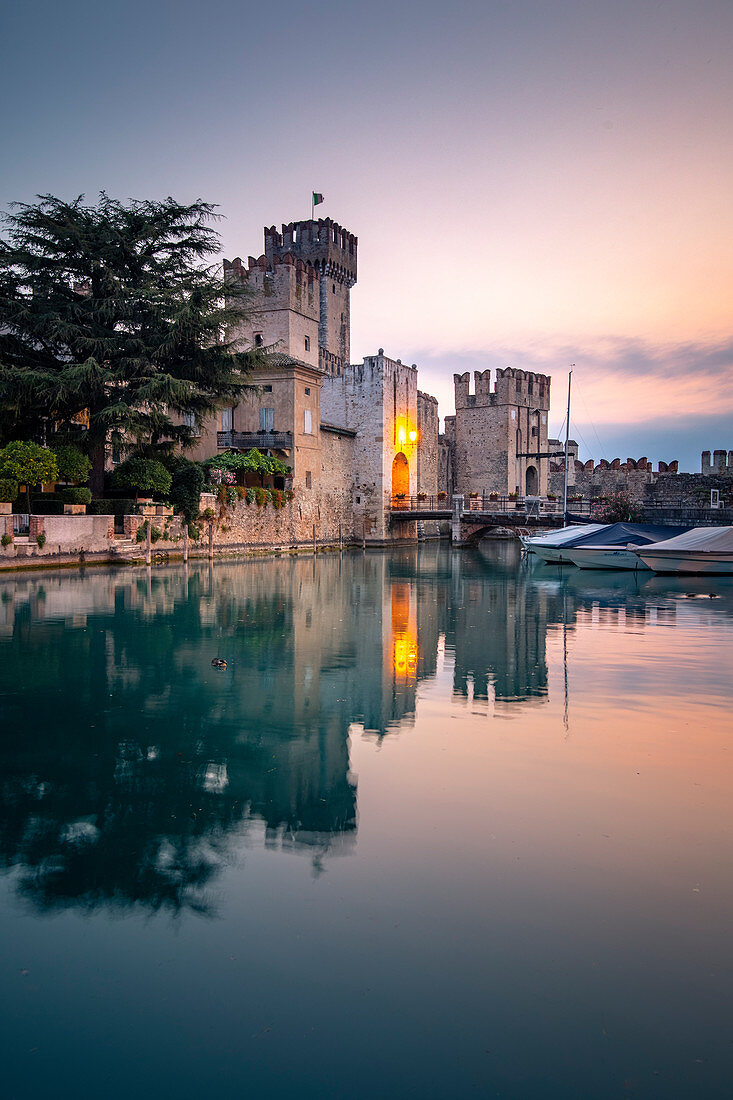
<point x="377" y="399"/>
<point x="588" y="479"/>
<point x="427" y="444"/>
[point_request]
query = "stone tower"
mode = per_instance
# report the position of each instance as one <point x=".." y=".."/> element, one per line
<point x="500" y="435"/>
<point x="331" y="250"/>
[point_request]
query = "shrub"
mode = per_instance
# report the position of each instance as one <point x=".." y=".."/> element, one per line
<point x="41" y="540"/>
<point x="250" y="495"/>
<point x="76" y="496"/>
<point x="8" y="489"/>
<point x="6" y="540"/>
<point x="143" y="476"/>
<point x="442" y="495"/>
<point x="194" y="532"/>
<point x="113" y="506"/>
<point x="261" y="497"/>
<point x="73" y="464"/>
<point x="618" y="507"/>
<point x="155" y="534"/>
<point x="208" y="513"/>
<point x="142" y="532"/>
<point x="186" y="486"/>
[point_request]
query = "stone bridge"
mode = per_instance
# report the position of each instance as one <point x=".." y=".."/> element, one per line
<point x="470" y="525"/>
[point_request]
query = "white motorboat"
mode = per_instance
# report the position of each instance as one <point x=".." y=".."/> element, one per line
<point x="549" y="538"/>
<point x="610" y="547"/>
<point x="606" y="557"/>
<point x="549" y="547"/>
<point x="700" y="550"/>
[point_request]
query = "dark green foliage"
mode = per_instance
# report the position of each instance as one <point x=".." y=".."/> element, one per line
<point x="143" y="476"/>
<point x="76" y="496"/>
<point x="8" y="489"/>
<point x="41" y="540"/>
<point x="185" y="490"/>
<point x="113" y="506"/>
<point x="194" y="532"/>
<point x="112" y="314"/>
<point x="72" y="463"/>
<point x="6" y="540"/>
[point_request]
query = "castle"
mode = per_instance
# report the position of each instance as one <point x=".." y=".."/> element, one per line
<point x="360" y="436"/>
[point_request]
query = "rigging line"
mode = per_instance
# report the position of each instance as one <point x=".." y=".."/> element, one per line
<point x="590" y="420"/>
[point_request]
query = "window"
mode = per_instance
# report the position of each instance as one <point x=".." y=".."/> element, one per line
<point x="333" y="288"/>
<point x="307" y="391"/>
<point x="307" y="421"/>
<point x="307" y="343"/>
<point x="267" y="420"/>
<point x="227" y="420"/>
<point x="189" y="420"/>
<point x="267" y="389"/>
<point x="258" y="339"/>
<point x="307" y="479"/>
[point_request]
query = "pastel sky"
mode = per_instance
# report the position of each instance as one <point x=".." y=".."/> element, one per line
<point x="533" y="182"/>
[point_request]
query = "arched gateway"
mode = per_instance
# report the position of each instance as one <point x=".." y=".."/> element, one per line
<point x="400" y="477"/>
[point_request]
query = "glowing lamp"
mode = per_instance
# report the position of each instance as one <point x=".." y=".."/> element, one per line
<point x="412" y="436"/>
<point x="401" y="435"/>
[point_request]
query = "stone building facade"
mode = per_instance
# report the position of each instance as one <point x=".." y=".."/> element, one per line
<point x="497" y="440"/>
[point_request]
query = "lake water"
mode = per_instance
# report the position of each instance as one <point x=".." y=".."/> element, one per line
<point x="450" y="824"/>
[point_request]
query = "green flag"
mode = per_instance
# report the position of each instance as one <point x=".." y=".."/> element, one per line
<point x="317" y="198"/>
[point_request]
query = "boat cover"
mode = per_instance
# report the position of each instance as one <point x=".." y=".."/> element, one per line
<point x="565" y="534"/>
<point x="621" y="534"/>
<point x="717" y="540"/>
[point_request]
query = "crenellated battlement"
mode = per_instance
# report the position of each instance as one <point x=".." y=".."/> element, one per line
<point x="286" y="283"/>
<point x="324" y="243"/>
<point x="513" y="387"/>
<point x="720" y="463"/>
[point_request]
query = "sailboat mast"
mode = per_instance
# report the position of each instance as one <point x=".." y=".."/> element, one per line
<point x="567" y="440"/>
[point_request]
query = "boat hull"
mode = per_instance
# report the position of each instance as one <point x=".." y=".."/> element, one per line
<point x="692" y="561"/>
<point x="605" y="557"/>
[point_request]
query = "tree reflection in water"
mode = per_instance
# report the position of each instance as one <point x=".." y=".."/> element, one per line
<point x="132" y="770"/>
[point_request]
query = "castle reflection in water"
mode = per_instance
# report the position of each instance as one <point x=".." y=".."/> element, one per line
<point x="131" y="768"/>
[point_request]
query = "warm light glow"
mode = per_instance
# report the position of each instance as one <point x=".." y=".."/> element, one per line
<point x="401" y="435"/>
<point x="412" y="436"/>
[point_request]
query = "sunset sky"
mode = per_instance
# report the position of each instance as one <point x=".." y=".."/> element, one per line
<point x="532" y="183"/>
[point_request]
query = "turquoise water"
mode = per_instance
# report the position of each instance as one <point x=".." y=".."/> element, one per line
<point x="449" y="824"/>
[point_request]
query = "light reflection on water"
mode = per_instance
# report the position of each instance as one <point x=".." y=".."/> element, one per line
<point x="448" y="824"/>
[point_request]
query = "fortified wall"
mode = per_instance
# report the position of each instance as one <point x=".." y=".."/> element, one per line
<point x="284" y="308"/>
<point x="588" y="479"/>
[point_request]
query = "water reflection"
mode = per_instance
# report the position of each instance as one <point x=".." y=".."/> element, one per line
<point x="132" y="771"/>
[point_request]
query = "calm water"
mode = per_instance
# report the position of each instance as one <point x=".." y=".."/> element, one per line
<point x="448" y="825"/>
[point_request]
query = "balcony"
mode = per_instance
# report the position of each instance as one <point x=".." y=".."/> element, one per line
<point x="263" y="441"/>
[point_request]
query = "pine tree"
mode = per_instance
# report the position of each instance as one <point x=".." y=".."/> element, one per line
<point x="112" y="317"/>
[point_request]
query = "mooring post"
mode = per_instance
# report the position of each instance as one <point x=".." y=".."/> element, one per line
<point x="341" y="545"/>
<point x="314" y="538"/>
<point x="147" y="544"/>
<point x="363" y="534"/>
<point x="185" y="541"/>
<point x="211" y="541"/>
<point x="455" y="523"/>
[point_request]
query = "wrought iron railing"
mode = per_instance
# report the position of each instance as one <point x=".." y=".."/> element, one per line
<point x="280" y="441"/>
